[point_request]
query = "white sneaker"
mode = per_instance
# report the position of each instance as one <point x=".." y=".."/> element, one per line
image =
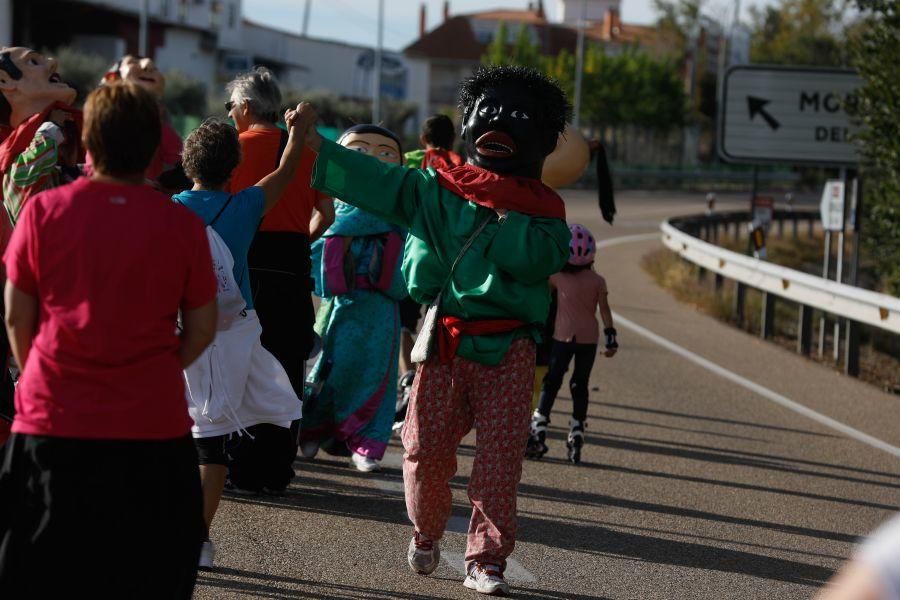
<point x="207" y="554"/>
<point x="309" y="448"/>
<point x="486" y="579"/>
<point x="423" y="555"/>
<point x="364" y="463"/>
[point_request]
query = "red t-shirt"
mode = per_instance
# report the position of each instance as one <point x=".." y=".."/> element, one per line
<point x="110" y="266"/>
<point x="259" y="149"/>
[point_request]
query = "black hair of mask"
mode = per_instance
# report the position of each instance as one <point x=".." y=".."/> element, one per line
<point x="554" y="108"/>
<point x="376" y="129"/>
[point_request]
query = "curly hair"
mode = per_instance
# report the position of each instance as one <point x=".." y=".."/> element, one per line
<point x="553" y="107"/>
<point x="211" y="152"/>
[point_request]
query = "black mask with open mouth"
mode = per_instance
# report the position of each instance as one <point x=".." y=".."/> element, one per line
<point x="506" y="127"/>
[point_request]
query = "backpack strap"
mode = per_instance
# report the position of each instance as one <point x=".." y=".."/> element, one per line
<point x="218" y="214"/>
<point x="221" y="210"/>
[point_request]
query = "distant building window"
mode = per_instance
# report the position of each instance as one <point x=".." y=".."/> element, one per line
<point x="232" y="15"/>
<point x="215" y="14"/>
<point x="164" y="8"/>
<point x="182" y="10"/>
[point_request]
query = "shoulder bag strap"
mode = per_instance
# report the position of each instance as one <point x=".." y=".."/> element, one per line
<point x="465" y="249"/>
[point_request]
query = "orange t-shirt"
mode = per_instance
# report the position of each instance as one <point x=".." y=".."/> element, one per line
<point x="259" y="149"/>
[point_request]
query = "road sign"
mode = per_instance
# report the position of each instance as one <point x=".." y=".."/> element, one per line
<point x="788" y="115"/>
<point x="832" y="205"/>
<point x="763" y="209"/>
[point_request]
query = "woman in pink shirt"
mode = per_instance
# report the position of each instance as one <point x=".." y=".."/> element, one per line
<point x="580" y="291"/>
<point x="99" y="488"/>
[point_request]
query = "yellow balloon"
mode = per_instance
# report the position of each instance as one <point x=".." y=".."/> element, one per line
<point x="565" y="165"/>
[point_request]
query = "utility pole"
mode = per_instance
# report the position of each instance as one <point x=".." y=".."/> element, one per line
<point x="142" y="28"/>
<point x="306" y="11"/>
<point x="579" y="66"/>
<point x="376" y="92"/>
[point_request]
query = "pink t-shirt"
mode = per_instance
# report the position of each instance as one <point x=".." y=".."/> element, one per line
<point x="110" y="266"/>
<point x="577" y="296"/>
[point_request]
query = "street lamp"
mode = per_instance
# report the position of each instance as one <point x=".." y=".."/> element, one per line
<point x="376" y="93"/>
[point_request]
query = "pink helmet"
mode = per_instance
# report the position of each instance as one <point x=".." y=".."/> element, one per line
<point x="582" y="246"/>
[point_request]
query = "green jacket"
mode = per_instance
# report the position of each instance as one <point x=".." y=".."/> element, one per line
<point x="502" y="276"/>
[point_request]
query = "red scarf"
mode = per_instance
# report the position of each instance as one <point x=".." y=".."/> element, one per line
<point x="451" y="330"/>
<point x="442" y="160"/>
<point x="493" y="190"/>
<point x="20" y="138"/>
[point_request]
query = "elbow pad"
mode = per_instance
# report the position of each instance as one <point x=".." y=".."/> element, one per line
<point x="611" y="343"/>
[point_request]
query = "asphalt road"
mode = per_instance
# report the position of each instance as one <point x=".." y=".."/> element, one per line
<point x="692" y="485"/>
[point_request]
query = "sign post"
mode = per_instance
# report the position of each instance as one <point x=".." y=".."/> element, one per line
<point x="795" y="115"/>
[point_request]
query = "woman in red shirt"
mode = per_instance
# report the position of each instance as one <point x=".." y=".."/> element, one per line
<point x="99" y="489"/>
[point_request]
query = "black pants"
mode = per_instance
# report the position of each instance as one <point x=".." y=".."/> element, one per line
<point x="280" y="282"/>
<point x="84" y="518"/>
<point x="561" y="355"/>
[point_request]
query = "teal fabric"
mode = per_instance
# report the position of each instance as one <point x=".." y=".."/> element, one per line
<point x="236" y="225"/>
<point x="361" y="333"/>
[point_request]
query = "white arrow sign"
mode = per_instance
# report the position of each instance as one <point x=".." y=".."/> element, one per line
<point x="785" y="114"/>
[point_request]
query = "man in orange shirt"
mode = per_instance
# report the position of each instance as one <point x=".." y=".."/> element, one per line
<point x="279" y="257"/>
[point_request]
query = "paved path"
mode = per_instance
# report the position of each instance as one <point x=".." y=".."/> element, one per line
<point x="692" y="487"/>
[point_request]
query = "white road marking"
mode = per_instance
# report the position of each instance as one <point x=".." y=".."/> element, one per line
<point x="456" y="524"/>
<point x="515" y="572"/>
<point x="757" y="388"/>
<point x="628" y="239"/>
<point x="393" y="460"/>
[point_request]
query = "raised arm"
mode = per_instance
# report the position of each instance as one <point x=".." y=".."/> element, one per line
<point x="391" y="192"/>
<point x="529" y="249"/>
<point x="34" y="167"/>
<point x="275" y="183"/>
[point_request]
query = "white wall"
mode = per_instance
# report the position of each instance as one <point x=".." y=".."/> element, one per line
<point x="419" y="88"/>
<point x="570" y="10"/>
<point x="182" y="52"/>
<point x="313" y="63"/>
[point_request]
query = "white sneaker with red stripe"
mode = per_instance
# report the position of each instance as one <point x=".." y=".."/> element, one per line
<point x="424" y="555"/>
<point x="486" y="578"/>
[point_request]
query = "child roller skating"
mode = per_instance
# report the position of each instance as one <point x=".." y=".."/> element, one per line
<point x="580" y="291"/>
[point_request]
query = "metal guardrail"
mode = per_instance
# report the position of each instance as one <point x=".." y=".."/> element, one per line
<point x="857" y="305"/>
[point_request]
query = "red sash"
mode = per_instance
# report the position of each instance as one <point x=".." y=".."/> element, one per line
<point x="495" y="191"/>
<point x="451" y="330"/>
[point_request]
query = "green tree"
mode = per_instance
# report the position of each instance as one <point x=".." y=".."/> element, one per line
<point x="798" y="32"/>
<point x="523" y="51"/>
<point x="874" y="52"/>
<point x="81" y="70"/>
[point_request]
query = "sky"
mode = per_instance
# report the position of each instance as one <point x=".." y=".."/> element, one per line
<point x="354" y="21"/>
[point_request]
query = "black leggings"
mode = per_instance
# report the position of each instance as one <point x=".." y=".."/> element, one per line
<point x="560" y="356"/>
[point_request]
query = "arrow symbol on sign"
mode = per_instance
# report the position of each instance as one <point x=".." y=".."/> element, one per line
<point x="757" y="107"/>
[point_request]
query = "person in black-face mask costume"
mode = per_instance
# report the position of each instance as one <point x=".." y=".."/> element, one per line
<point x="484" y="238"/>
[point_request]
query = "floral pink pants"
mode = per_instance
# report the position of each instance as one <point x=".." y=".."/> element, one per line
<point x="446" y="400"/>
